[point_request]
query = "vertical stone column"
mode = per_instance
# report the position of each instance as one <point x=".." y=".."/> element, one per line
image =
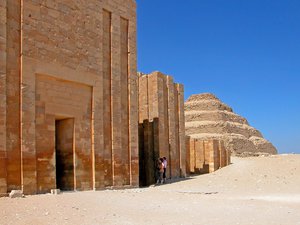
<point x="143" y="99"/>
<point x="153" y="96"/>
<point x="177" y="138"/>
<point x="162" y="109"/>
<point x="102" y="106"/>
<point x="107" y="98"/>
<point x="199" y="155"/>
<point x="202" y="153"/>
<point x="217" y="154"/>
<point x="206" y="156"/>
<point x="209" y="155"/>
<point x="98" y="136"/>
<point x="172" y="119"/>
<point x="156" y="138"/>
<point x="3" y="38"/>
<point x="141" y="153"/>
<point x="214" y="158"/>
<point x="13" y="95"/>
<point x="116" y="102"/>
<point x="228" y="153"/>
<point x="188" y="154"/>
<point x="223" y="154"/>
<point x="167" y="147"/>
<point x="182" y="149"/>
<point x="133" y="102"/>
<point x="28" y="145"/>
<point x="125" y="164"/>
<point x="192" y="155"/>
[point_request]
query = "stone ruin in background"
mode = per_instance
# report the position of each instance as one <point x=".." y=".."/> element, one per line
<point x="205" y="156"/>
<point x="207" y="118"/>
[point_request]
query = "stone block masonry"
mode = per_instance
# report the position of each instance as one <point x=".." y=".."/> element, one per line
<point x="208" y="118"/>
<point x="68" y="96"/>
<point x="205" y="156"/>
<point x="3" y="74"/>
<point x="161" y="98"/>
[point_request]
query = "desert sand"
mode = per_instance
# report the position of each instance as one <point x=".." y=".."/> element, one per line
<point x="260" y="191"/>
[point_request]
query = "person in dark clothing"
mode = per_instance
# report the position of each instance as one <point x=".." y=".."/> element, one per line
<point x="159" y="170"/>
<point x="165" y="164"/>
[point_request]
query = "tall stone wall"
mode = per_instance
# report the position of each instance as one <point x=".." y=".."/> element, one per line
<point x="160" y="97"/>
<point x="68" y="60"/>
<point x="205" y="156"/>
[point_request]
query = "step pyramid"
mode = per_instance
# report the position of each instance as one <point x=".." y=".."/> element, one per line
<point x="207" y="118"/>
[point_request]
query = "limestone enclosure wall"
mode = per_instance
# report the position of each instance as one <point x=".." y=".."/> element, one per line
<point x="205" y="156"/>
<point x="160" y="97"/>
<point x="68" y="59"/>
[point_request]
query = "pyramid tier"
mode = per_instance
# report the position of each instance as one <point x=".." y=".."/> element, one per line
<point x="206" y="105"/>
<point x="220" y="127"/>
<point x="262" y="145"/>
<point x="200" y="97"/>
<point x="191" y="116"/>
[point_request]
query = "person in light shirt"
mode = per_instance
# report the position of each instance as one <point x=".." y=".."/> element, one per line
<point x="165" y="162"/>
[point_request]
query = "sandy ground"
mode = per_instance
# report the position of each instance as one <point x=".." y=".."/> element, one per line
<point x="260" y="191"/>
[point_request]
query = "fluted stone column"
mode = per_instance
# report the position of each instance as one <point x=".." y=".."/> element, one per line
<point x="182" y="150"/>
<point x="3" y="72"/>
<point x="13" y="95"/>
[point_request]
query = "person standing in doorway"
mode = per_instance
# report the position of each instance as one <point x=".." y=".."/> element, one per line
<point x="159" y="171"/>
<point x="165" y="163"/>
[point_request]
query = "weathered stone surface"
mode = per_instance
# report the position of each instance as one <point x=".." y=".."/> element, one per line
<point x="76" y="61"/>
<point x="161" y="98"/>
<point x="205" y="156"/>
<point x="207" y="118"/>
<point x="3" y="74"/>
<point x="181" y="128"/>
<point x="13" y="62"/>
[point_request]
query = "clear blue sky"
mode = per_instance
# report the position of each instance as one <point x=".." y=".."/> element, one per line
<point x="247" y="52"/>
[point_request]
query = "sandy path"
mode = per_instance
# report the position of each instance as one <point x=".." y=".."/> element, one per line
<point x="260" y="191"/>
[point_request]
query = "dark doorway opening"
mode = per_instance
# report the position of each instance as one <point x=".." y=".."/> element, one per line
<point x="148" y="152"/>
<point x="64" y="145"/>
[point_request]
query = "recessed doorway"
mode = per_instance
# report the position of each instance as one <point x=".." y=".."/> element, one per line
<point x="64" y="145"/>
<point x="148" y="152"/>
